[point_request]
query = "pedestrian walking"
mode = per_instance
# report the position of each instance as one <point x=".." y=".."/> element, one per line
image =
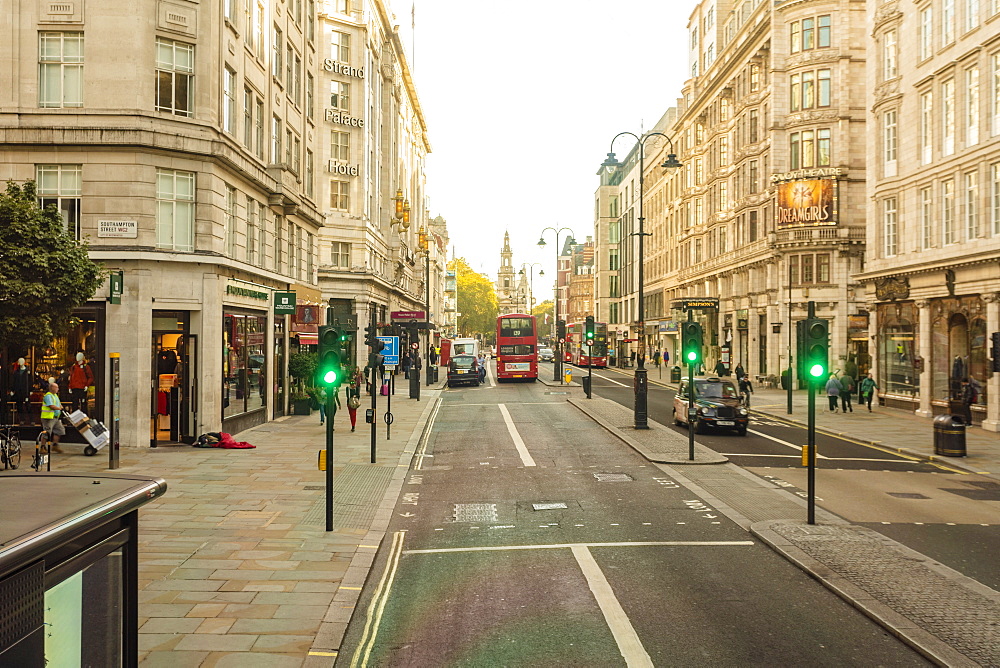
<point x="746" y="389"/>
<point x="321" y="396"/>
<point x="482" y="368"/>
<point x="720" y="369"/>
<point x="969" y="397"/>
<point x="51" y="412"/>
<point x="632" y="358"/>
<point x="656" y="358"/>
<point x="833" y="391"/>
<point x="354" y="396"/>
<point x="740" y="371"/>
<point x="847" y="387"/>
<point x="868" y="390"/>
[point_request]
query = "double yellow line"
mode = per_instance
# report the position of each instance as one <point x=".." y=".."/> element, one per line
<point x="377" y="605"/>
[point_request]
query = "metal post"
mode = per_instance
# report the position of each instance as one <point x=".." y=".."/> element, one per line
<point x="811" y="439"/>
<point x="590" y="371"/>
<point x="329" y="457"/>
<point x="640" y="384"/>
<point x="114" y="422"/>
<point x="375" y="391"/>
<point x="388" y="406"/>
<point x="790" y="372"/>
<point x="692" y="409"/>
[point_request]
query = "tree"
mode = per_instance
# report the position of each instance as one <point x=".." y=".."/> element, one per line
<point x="44" y="272"/>
<point x="544" y="313"/>
<point x="477" y="300"/>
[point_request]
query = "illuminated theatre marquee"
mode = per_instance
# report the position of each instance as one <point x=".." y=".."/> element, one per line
<point x="806" y="203"/>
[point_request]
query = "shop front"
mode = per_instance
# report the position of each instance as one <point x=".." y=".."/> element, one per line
<point x="245" y="368"/>
<point x="174" y="356"/>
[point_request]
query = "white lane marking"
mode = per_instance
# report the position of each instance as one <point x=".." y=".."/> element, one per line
<point x="519" y="403"/>
<point x="610" y="379"/>
<point x="778" y="440"/>
<point x="377" y="606"/>
<point x="621" y="628"/>
<point x="518" y="442"/>
<point x="559" y="546"/>
<point x="425" y="437"/>
<point x="493" y="382"/>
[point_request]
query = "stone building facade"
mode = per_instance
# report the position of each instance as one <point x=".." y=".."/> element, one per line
<point x="931" y="277"/>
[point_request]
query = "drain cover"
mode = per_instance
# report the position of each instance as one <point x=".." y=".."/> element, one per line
<point x="548" y="506"/>
<point x="907" y="495"/>
<point x="475" y="512"/>
<point x="613" y="477"/>
<point x="314" y="487"/>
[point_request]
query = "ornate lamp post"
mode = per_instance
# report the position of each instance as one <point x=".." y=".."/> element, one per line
<point x="531" y="282"/>
<point x="611" y="164"/>
<point x="557" y="366"/>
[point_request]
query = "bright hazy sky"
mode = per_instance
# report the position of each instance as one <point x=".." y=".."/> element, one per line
<point x="522" y="101"/>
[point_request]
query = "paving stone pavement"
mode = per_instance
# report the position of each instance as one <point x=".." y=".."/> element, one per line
<point x="234" y="568"/>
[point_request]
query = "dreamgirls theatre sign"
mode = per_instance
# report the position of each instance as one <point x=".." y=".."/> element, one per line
<point x="805" y="202"/>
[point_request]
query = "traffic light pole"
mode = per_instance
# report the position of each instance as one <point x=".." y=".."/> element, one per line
<point x="329" y="458"/>
<point x="590" y="371"/>
<point x="811" y="438"/>
<point x="692" y="409"/>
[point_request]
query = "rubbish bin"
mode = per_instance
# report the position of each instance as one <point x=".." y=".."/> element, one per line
<point x="675" y="374"/>
<point x="586" y="385"/>
<point x="949" y="436"/>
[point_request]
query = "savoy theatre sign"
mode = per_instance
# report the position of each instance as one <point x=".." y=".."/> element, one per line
<point x="806" y="197"/>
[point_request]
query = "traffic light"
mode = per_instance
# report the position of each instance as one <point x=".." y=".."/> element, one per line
<point x="589" y="330"/>
<point x="800" y="347"/>
<point x="330" y="370"/>
<point x="817" y="349"/>
<point x="561" y="329"/>
<point x="995" y="338"/>
<point x="370" y="335"/>
<point x="691" y="342"/>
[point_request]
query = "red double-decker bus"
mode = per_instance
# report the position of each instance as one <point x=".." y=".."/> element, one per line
<point x="576" y="352"/>
<point x="517" y="347"/>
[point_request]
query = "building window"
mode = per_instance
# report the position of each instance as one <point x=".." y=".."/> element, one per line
<point x="310" y="95"/>
<point x="310" y="173"/>
<point x="296" y="154"/>
<point x="248" y="118"/>
<point x="889" y="142"/>
<point x="723" y="195"/>
<point x="889" y="67"/>
<point x="174" y="77"/>
<point x="995" y="102"/>
<point x="229" y="101"/>
<point x="810" y="33"/>
<point x="340" y="145"/>
<point x="340" y="254"/>
<point x="823" y="147"/>
<point x="275" y="139"/>
<point x="61" y="186"/>
<point x="926" y="218"/>
<point x="699" y="171"/>
<point x="259" y="128"/>
<point x="753" y="176"/>
<point x="971" y="205"/>
<point x="948" y="117"/>
<point x="949" y="235"/>
<point x="810" y="89"/>
<point x="926" y="127"/>
<point x="277" y="52"/>
<point x="229" y="11"/>
<point x="754" y="123"/>
<point x="809" y="148"/>
<point x="252" y="255"/>
<point x="614" y="264"/>
<point x="231" y="222"/>
<point x="175" y="210"/>
<point x="947" y="21"/>
<point x="972" y="106"/>
<point x="754" y="78"/>
<point x="340" y="195"/>
<point x="889" y="231"/>
<point x="262" y="233"/>
<point x="295" y="80"/>
<point x="343" y="6"/>
<point x="926" y="33"/>
<point x="809" y="268"/>
<point x="288" y="148"/>
<point x="823" y="31"/>
<point x="995" y="198"/>
<point x="971" y="14"/>
<point x="724" y="107"/>
<point x="60" y="69"/>
<point x="340" y="95"/>
<point x="724" y="150"/>
<point x="340" y="46"/>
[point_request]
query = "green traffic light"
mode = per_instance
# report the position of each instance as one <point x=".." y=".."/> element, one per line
<point x="692" y="356"/>
<point x="330" y="377"/>
<point x="817" y="370"/>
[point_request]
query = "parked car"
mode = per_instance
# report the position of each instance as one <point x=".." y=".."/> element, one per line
<point x="463" y="369"/>
<point x="717" y="406"/>
<point x="546" y="355"/>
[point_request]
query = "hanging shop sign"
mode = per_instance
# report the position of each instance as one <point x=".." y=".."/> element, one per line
<point x="695" y="303"/>
<point x="340" y="118"/>
<point x="806" y="203"/>
<point x="891" y="288"/>
<point x="117" y="229"/>
<point x="306" y="319"/>
<point x="407" y="315"/>
<point x="857" y="321"/>
<point x="284" y="303"/>
<point x="117" y="287"/>
<point x="335" y="167"/>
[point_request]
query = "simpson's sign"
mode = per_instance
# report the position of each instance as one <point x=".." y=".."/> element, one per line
<point x="806" y="203"/>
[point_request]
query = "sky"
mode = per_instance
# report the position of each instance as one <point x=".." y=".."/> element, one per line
<point x="521" y="108"/>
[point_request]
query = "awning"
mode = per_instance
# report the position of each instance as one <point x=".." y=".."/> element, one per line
<point x="308" y="339"/>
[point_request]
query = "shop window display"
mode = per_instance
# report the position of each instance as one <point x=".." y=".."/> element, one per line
<point x="897" y="350"/>
<point x="961" y="345"/>
<point x="244" y="365"/>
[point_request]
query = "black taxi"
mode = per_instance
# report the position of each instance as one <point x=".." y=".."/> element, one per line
<point x="717" y="405"/>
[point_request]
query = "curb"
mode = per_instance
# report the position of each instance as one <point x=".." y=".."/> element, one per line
<point x="334" y="625"/>
<point x="924" y="642"/>
<point x="715" y="458"/>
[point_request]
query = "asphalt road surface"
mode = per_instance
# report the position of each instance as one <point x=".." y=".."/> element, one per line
<point x="526" y="535"/>
<point x="948" y="515"/>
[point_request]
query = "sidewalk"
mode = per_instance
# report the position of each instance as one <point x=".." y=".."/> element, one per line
<point x="889" y="428"/>
<point x="235" y="565"/>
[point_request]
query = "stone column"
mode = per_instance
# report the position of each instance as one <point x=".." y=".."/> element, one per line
<point x="924" y="351"/>
<point x="992" y="420"/>
<point x="210" y="353"/>
<point x="128" y="333"/>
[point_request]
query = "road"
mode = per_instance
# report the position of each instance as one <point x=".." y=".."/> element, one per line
<point x="526" y="535"/>
<point x="947" y="515"/>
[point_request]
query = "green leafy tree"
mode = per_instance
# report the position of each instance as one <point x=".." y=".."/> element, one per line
<point x="44" y="272"/>
<point x="477" y="301"/>
<point x="546" y="308"/>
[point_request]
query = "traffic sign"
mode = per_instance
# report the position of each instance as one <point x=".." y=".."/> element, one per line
<point x="390" y="354"/>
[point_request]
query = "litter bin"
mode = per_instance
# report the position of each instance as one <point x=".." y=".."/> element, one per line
<point x="949" y="436"/>
<point x="586" y="385"/>
<point x="675" y="374"/>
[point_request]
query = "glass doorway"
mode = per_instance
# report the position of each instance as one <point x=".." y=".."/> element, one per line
<point x="173" y="381"/>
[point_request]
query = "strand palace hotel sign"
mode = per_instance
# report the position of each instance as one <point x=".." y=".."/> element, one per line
<point x="806" y="197"/>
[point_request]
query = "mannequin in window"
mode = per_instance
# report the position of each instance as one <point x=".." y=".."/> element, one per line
<point x="81" y="377"/>
<point x="21" y="382"/>
<point x="957" y="374"/>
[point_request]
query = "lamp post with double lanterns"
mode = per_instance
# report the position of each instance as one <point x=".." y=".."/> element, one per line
<point x="610" y="164"/>
<point x="423" y="247"/>
<point x="557" y="365"/>
<point x="530" y="303"/>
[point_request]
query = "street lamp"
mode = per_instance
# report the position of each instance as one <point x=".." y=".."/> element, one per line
<point x="400" y="211"/>
<point x="557" y="366"/>
<point x="611" y="164"/>
<point x="531" y="281"/>
<point x="424" y="247"/>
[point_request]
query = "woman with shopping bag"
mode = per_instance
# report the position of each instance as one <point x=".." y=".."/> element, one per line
<point x="354" y="395"/>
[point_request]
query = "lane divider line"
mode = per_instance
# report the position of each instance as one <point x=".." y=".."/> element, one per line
<point x="518" y="441"/>
<point x="612" y="380"/>
<point x="560" y="546"/>
<point x="377" y="604"/>
<point x="425" y="437"/>
<point x="629" y="645"/>
<point x="786" y="443"/>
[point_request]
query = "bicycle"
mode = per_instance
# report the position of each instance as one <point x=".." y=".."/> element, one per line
<point x="41" y="446"/>
<point x="10" y="447"/>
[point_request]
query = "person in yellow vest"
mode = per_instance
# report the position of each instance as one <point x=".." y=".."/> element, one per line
<point x="51" y="411"/>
